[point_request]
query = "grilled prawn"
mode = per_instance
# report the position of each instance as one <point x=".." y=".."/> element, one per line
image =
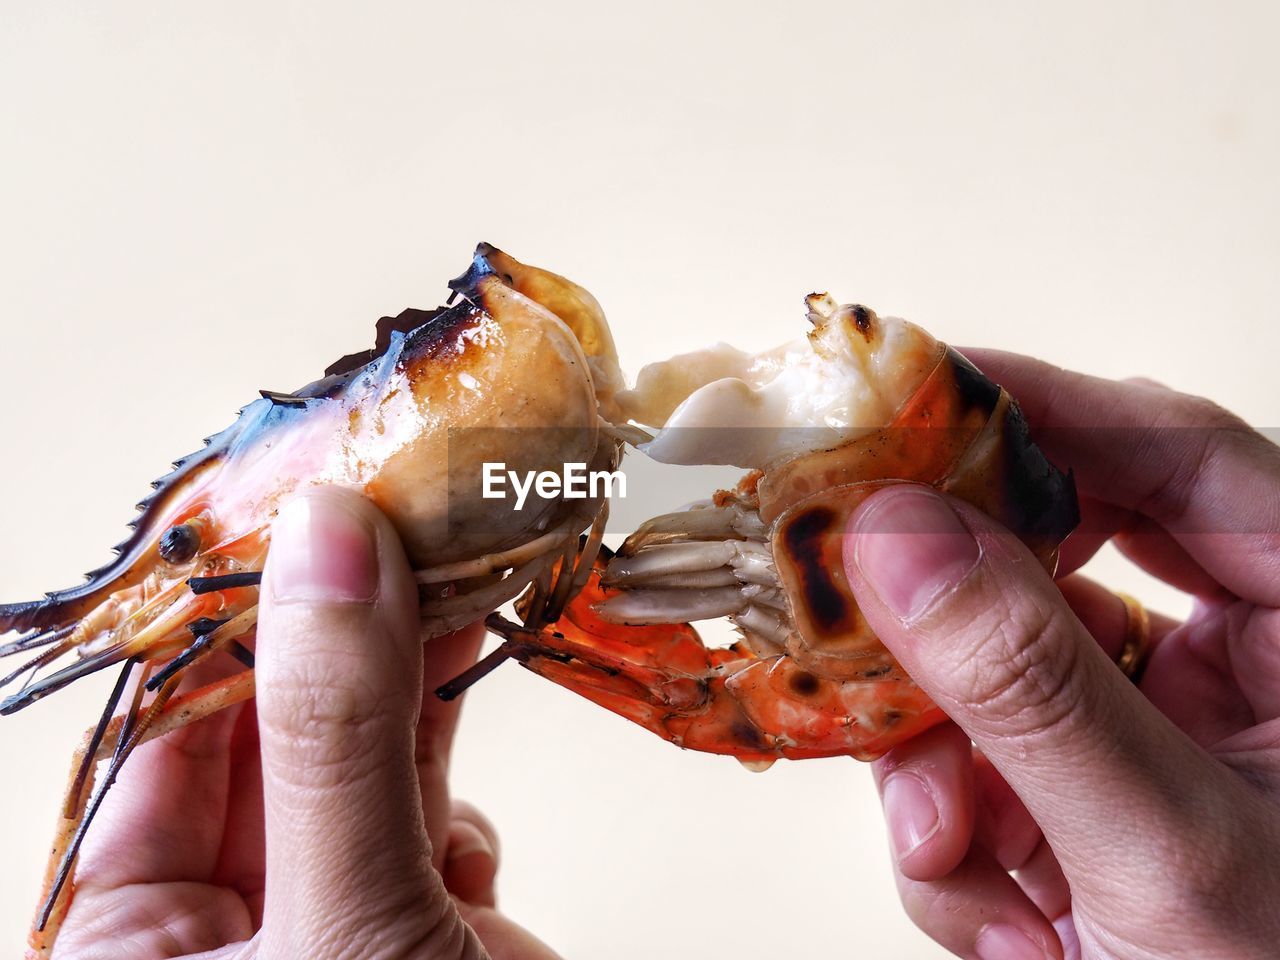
<point x="521" y="369"/>
<point x="821" y="423"/>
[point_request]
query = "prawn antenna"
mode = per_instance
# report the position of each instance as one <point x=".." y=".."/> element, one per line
<point x="477" y="671"/>
<point x="226" y="581"/>
<point x="95" y="741"/>
<point x="38" y="638"/>
<point x="203" y="630"/>
<point x="486" y="664"/>
<point x="512" y="648"/>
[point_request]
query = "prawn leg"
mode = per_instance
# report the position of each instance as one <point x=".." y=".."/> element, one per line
<point x="725" y="700"/>
<point x="665" y="682"/>
<point x="752" y="709"/>
<point x="165" y="714"/>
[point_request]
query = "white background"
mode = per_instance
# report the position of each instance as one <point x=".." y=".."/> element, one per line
<point x="200" y="200"/>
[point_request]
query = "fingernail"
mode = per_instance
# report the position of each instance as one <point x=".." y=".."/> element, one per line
<point x="468" y="840"/>
<point x="321" y="550"/>
<point x="1068" y="937"/>
<point x="1003" y="941"/>
<point x="911" y="812"/>
<point x="911" y="548"/>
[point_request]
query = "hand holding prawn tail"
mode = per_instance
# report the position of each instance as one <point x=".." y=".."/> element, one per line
<point x="862" y="403"/>
<point x="524" y="352"/>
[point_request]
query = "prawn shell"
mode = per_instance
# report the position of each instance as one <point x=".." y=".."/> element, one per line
<point x="498" y="377"/>
<point x="862" y="720"/>
<point x="959" y="433"/>
<point x="953" y="403"/>
<point x="577" y="309"/>
<point x="512" y="388"/>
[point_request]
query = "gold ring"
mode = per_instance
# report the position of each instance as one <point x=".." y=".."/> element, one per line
<point x="1137" y="639"/>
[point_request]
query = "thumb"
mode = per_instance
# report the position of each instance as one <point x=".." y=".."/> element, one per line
<point x="348" y="861"/>
<point x="975" y="620"/>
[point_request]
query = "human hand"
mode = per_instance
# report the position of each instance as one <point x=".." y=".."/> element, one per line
<point x="357" y="850"/>
<point x="1094" y="818"/>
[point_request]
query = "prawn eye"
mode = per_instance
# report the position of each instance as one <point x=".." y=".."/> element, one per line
<point x="179" y="544"/>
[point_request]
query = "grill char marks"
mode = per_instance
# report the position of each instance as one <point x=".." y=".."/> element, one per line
<point x="831" y="609"/>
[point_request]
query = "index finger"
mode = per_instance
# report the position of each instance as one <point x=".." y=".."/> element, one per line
<point x="444" y="658"/>
<point x="165" y="818"/>
<point x="1197" y="470"/>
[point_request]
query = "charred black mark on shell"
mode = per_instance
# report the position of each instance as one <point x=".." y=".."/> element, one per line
<point x="875" y="673"/>
<point x="1031" y="496"/>
<point x="404" y="322"/>
<point x="746" y="734"/>
<point x="477" y="270"/>
<point x="179" y="544"/>
<point x="864" y="319"/>
<point x="281" y="399"/>
<point x="804" y="683"/>
<point x="440" y="336"/>
<point x="975" y="390"/>
<point x="1038" y="501"/>
<point x="823" y="598"/>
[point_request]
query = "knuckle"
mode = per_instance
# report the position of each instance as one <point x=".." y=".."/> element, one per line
<point x="1021" y="674"/>
<point x="323" y="723"/>
<point x="1060" y="385"/>
<point x="1147" y="382"/>
<point x="1201" y="436"/>
<point x="1196" y="411"/>
<point x="936" y="908"/>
